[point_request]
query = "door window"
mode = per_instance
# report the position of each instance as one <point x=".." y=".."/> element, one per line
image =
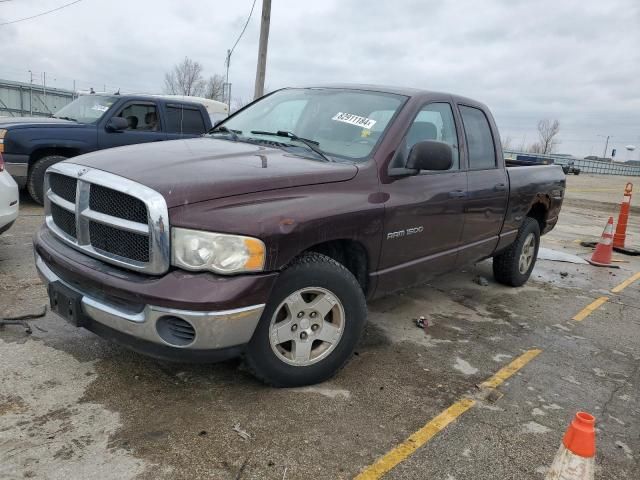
<point x="435" y="122"/>
<point x="482" y="152"/>
<point x="141" y="117"/>
<point x="184" y="120"/>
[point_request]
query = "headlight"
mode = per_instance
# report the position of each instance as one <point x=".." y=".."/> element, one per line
<point x="3" y="132"/>
<point x="217" y="252"/>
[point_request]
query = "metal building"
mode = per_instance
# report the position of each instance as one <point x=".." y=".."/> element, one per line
<point x="18" y="99"/>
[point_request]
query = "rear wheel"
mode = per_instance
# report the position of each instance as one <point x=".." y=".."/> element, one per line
<point x="310" y="326"/>
<point x="514" y="265"/>
<point x="35" y="182"/>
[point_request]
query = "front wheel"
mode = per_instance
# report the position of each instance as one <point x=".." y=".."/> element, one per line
<point x="514" y="265"/>
<point x="310" y="326"/>
<point x="35" y="181"/>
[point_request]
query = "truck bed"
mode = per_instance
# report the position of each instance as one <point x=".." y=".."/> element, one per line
<point x="525" y="184"/>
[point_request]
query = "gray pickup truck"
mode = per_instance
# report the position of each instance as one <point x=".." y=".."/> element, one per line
<point x="266" y="237"/>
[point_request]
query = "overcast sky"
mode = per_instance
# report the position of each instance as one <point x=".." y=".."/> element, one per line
<point x="574" y="60"/>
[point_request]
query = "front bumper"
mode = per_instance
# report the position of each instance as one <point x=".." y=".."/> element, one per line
<point x="137" y="323"/>
<point x="18" y="166"/>
<point x="9" y="201"/>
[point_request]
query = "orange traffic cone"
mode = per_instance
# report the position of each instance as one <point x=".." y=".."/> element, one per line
<point x="621" y="227"/>
<point x="604" y="249"/>
<point x="575" y="459"/>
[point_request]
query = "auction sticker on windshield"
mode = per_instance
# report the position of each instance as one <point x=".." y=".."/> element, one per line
<point x="356" y="120"/>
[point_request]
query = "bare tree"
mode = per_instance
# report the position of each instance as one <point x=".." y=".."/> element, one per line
<point x="185" y="79"/>
<point x="238" y="103"/>
<point x="506" y="143"/>
<point x="214" y="88"/>
<point x="547" y="132"/>
<point x="535" y="148"/>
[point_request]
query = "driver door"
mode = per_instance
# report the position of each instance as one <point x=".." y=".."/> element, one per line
<point x="144" y="125"/>
<point x="424" y="213"/>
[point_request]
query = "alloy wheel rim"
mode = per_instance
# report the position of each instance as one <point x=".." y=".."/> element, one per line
<point x="528" y="251"/>
<point x="307" y="326"/>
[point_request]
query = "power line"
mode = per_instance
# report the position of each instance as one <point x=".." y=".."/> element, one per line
<point x="227" y="61"/>
<point x="41" y="14"/>
<point x="243" y="29"/>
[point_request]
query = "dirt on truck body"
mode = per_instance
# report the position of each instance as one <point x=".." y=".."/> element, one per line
<point x="266" y="237"/>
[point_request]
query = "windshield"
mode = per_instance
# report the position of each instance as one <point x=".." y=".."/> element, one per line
<point x="341" y="123"/>
<point x="86" y="109"/>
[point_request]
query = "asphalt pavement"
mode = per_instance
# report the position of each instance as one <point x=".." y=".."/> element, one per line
<point x="74" y="406"/>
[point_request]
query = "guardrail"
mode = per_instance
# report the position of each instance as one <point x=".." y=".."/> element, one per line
<point x="601" y="167"/>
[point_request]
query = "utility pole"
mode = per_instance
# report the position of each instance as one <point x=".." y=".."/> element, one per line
<point x="227" y="84"/>
<point x="606" y="144"/>
<point x="262" y="48"/>
<point x="30" y="93"/>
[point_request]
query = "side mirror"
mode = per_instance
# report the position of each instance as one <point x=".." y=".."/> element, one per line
<point x="430" y="155"/>
<point x="117" y="124"/>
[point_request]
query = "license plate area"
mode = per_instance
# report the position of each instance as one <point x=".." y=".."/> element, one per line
<point x="66" y="302"/>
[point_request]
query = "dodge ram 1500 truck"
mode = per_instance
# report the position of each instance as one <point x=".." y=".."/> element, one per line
<point x="266" y="237"/>
<point x="93" y="122"/>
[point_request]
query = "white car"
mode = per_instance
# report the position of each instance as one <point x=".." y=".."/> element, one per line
<point x="9" y="198"/>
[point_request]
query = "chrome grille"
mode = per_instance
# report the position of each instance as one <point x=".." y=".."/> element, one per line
<point x="118" y="204"/>
<point x="65" y="219"/>
<point x="119" y="242"/>
<point x="108" y="217"/>
<point x="63" y="186"/>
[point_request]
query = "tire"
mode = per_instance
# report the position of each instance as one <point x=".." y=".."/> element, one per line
<point x="576" y="172"/>
<point x="35" y="182"/>
<point x="508" y="265"/>
<point x="311" y="277"/>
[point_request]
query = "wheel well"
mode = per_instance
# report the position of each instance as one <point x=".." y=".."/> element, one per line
<point x="349" y="253"/>
<point x="538" y="212"/>
<point x="45" y="152"/>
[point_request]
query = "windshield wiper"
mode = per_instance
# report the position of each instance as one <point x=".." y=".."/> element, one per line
<point x="223" y="129"/>
<point x="311" y="144"/>
<point x="66" y="118"/>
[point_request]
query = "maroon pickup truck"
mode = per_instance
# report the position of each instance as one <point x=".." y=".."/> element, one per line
<point x="265" y="237"/>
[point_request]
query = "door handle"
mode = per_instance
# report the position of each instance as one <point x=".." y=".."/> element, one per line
<point x="457" y="194"/>
<point x="500" y="187"/>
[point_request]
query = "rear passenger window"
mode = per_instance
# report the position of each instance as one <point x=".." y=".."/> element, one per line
<point x="184" y="120"/>
<point x="482" y="153"/>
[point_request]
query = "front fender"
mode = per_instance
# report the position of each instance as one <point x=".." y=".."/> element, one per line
<point x="30" y="140"/>
<point x="293" y="220"/>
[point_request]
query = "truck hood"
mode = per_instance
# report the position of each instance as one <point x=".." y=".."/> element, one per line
<point x="195" y="170"/>
<point x="26" y="122"/>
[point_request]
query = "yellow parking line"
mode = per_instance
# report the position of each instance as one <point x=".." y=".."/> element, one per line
<point x="415" y="441"/>
<point x="589" y="309"/>
<point x="626" y="283"/>
<point x="405" y="449"/>
<point x="510" y="369"/>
